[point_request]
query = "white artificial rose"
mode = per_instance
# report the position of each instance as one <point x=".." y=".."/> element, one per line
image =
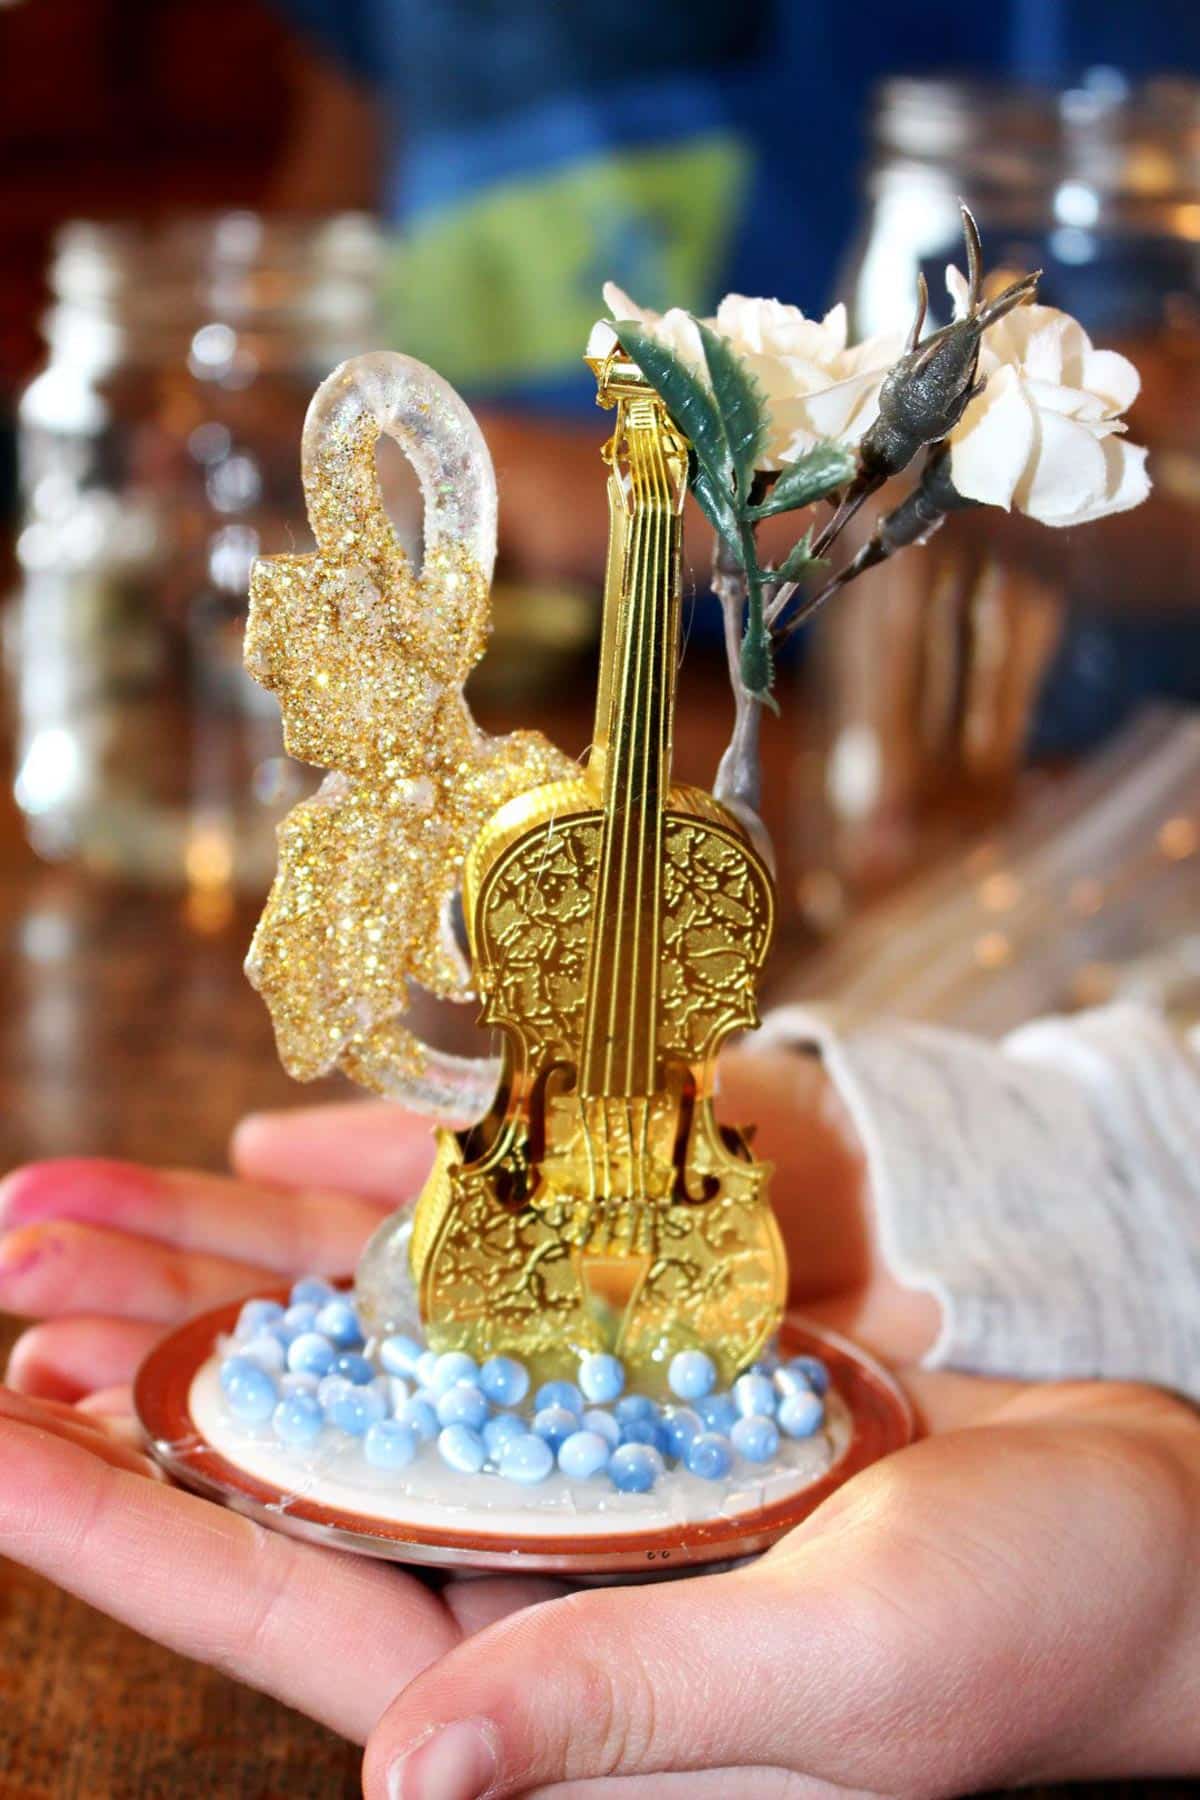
<point x="1045" y="435"/>
<point x="816" y="386"/>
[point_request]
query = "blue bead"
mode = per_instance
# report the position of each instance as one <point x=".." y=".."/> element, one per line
<point x="555" y="1424"/>
<point x="635" y="1406"/>
<point x="265" y="1350"/>
<point x="710" y="1455"/>
<point x="634" y="1468"/>
<point x="559" y="1393"/>
<point x="502" y="1429"/>
<point x="643" y="1431"/>
<point x="583" y="1455"/>
<point x="462" y="1448"/>
<point x="354" y="1367"/>
<point x="399" y="1355"/>
<point x="601" y="1376"/>
<point x="692" y="1374"/>
<point x="811" y="1369"/>
<point x="355" y="1410"/>
<point x="504" y="1380"/>
<point x="718" y="1412"/>
<point x="391" y="1390"/>
<point x="256" y="1316"/>
<point x="298" y="1384"/>
<point x="755" y="1437"/>
<point x="426" y="1369"/>
<point x="754" y="1395"/>
<point x="801" y="1413"/>
<point x="452" y="1366"/>
<point x="250" y="1392"/>
<point x="389" y="1445"/>
<point x="420" y="1417"/>
<point x="310" y="1354"/>
<point x="297" y="1420"/>
<point x="527" y="1459"/>
<point x="312" y="1290"/>
<point x="679" y="1427"/>
<point x="604" y="1425"/>
<point x="339" y="1321"/>
<point x="300" y="1318"/>
<point x="462" y="1404"/>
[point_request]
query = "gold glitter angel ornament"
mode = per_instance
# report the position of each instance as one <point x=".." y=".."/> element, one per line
<point x="368" y="656"/>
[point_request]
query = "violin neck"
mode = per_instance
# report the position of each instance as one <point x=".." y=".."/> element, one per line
<point x="631" y="754"/>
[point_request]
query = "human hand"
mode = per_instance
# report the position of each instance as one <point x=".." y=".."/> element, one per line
<point x="1011" y="1600"/>
<point x="110" y="1255"/>
<point x="114" y="1254"/>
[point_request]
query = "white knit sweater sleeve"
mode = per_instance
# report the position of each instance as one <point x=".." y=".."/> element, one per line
<point x="1046" y="1189"/>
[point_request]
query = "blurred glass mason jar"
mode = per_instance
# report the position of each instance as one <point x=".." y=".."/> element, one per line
<point x="158" y="451"/>
<point x="937" y="675"/>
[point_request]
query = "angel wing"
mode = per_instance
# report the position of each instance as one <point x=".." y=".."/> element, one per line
<point x="368" y="657"/>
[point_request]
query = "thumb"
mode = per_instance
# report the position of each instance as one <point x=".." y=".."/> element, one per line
<point x="695" y="1674"/>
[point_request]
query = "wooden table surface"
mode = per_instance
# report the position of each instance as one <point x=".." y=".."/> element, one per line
<point x="127" y="1031"/>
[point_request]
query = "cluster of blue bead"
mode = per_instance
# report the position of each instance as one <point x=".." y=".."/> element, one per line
<point x="306" y="1367"/>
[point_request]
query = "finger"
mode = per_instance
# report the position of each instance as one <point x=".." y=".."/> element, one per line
<point x="601" y="1683"/>
<point x="111" y="1403"/>
<point x="803" y="1130"/>
<point x="332" y="1634"/>
<point x="948" y="1401"/>
<point x="1005" y="1555"/>
<point x="371" y="1148"/>
<point x="49" y="1270"/>
<point x="700" y="1784"/>
<point x="479" y="1601"/>
<point x="898" y="1324"/>
<point x="75" y="1428"/>
<point x="296" y="1230"/>
<point x="67" y="1359"/>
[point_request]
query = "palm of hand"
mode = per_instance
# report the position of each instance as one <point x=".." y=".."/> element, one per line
<point x="926" y="1631"/>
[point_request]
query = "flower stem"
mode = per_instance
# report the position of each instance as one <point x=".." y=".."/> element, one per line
<point x="739" y="774"/>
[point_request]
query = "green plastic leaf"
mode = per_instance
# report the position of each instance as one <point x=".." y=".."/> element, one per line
<point x="717" y="506"/>
<point x="811" y="477"/>
<point x="686" y="398"/>
<point x="756" y="663"/>
<point x="798" y="561"/>
<point x="740" y="403"/>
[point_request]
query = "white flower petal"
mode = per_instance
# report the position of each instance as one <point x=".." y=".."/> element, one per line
<point x="622" y="307"/>
<point x="836" y="326"/>
<point x="991" y="445"/>
<point x="1067" y="474"/>
<point x="878" y="352"/>
<point x="834" y="411"/>
<point x="1126" y="482"/>
<point x="1113" y="377"/>
<point x="958" y="289"/>
<point x="1071" y="402"/>
<point x="1042" y="359"/>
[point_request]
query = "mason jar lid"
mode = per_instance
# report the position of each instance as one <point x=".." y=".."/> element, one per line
<point x="1132" y="144"/>
<point x="243" y="267"/>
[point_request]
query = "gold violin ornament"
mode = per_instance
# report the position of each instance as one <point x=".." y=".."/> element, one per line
<point x="617" y="925"/>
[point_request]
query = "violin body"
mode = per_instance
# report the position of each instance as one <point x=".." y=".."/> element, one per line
<point x="618" y="927"/>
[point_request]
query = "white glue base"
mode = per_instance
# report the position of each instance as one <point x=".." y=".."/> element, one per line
<point x="428" y="1495"/>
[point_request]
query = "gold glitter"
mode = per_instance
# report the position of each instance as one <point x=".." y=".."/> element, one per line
<point x="369" y="659"/>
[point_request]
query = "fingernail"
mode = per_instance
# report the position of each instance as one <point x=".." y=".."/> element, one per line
<point x="451" y="1762"/>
